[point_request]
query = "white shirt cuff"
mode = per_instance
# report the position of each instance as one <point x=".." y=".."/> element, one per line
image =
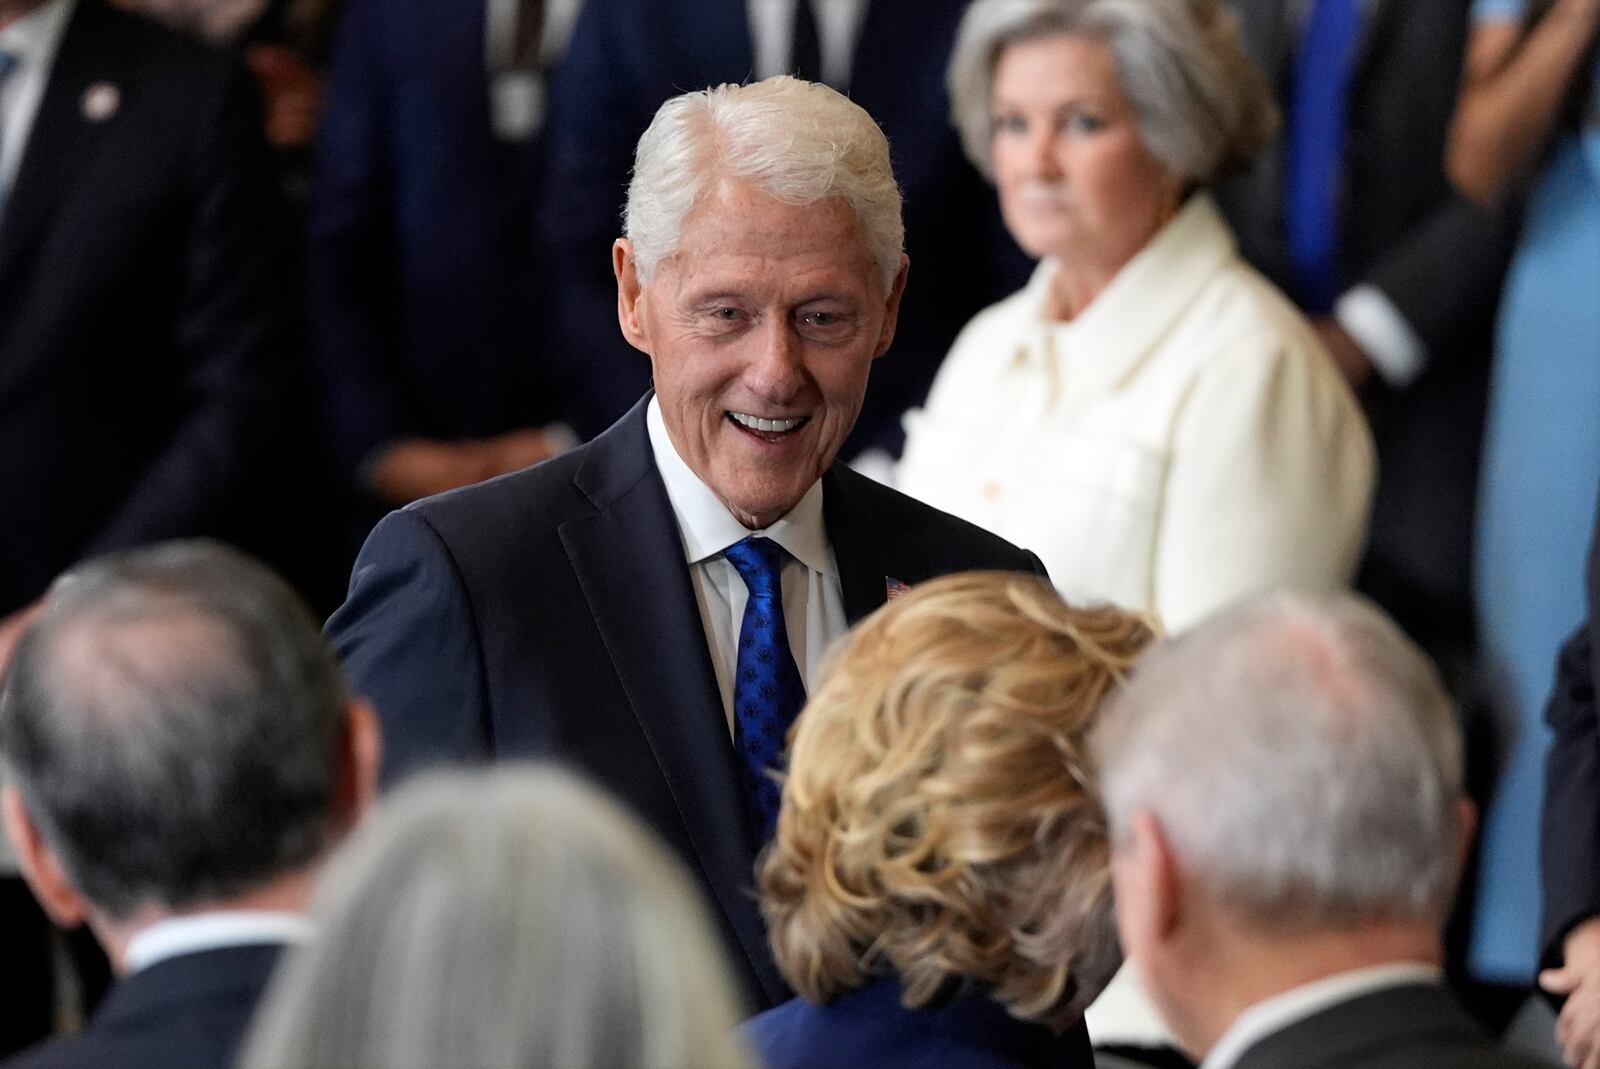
<point x="1394" y="349"/>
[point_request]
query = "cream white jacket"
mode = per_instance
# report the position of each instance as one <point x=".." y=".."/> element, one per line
<point x="1184" y="442"/>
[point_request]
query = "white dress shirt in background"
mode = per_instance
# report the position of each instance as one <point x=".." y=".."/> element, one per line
<point x="216" y="930"/>
<point x="33" y="40"/>
<point x="813" y="599"/>
<point x="1183" y="443"/>
<point x="838" y="29"/>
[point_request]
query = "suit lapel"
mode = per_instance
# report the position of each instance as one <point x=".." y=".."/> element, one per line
<point x="858" y="546"/>
<point x="628" y="557"/>
<point x="1375" y="17"/>
<point x="63" y="140"/>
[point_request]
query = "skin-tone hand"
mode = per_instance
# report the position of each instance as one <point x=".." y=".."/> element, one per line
<point x="292" y="93"/>
<point x="1348" y="356"/>
<point x="11" y="628"/>
<point x="420" y="467"/>
<point x="1578" y="978"/>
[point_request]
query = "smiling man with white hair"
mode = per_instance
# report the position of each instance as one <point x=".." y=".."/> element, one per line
<point x="1284" y="791"/>
<point x="652" y="606"/>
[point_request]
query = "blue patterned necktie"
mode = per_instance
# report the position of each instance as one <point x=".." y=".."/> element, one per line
<point x="1324" y="67"/>
<point x="767" y="689"/>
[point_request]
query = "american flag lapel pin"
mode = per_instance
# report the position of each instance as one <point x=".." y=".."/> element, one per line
<point x="895" y="588"/>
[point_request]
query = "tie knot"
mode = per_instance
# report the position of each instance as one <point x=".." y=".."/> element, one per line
<point x="759" y="562"/>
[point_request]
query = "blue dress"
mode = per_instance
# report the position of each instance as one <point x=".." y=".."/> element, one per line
<point x="1541" y="467"/>
<point x="869" y="1027"/>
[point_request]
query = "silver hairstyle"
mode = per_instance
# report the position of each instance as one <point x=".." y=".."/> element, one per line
<point x="1203" y="105"/>
<point x="796" y="141"/>
<point x="173" y="720"/>
<point x="1302" y="758"/>
<point x="509" y="919"/>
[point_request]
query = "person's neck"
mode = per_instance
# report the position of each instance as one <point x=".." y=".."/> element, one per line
<point x="290" y="893"/>
<point x="1248" y="968"/>
<point x="1075" y="287"/>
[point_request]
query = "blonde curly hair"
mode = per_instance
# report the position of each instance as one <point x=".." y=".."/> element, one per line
<point x="939" y="818"/>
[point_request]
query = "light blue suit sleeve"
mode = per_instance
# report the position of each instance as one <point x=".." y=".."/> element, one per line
<point x="1498" y="10"/>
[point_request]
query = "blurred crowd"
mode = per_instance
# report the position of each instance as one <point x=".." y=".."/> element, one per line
<point x="1217" y="309"/>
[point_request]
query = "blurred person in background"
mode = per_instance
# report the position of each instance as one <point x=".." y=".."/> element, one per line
<point x="425" y="288"/>
<point x="144" y="383"/>
<point x="1528" y="123"/>
<point x="1149" y="414"/>
<point x="514" y="919"/>
<point x="185" y="752"/>
<point x="938" y="892"/>
<point x="888" y="56"/>
<point x="1285" y="791"/>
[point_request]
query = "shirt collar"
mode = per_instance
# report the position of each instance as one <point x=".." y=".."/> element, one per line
<point x="1280" y="1011"/>
<point x="176" y="936"/>
<point x="708" y="528"/>
<point x="33" y="39"/>
<point x="1143" y="300"/>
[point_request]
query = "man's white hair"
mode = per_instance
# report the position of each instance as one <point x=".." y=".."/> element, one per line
<point x="1303" y="760"/>
<point x="796" y="141"/>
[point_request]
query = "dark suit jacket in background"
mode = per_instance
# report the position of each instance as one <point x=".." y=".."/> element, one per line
<point x="1410" y="1026"/>
<point x="426" y="301"/>
<point x="141" y="381"/>
<point x="550" y="613"/>
<point x="627" y="57"/>
<point x="187" y="1012"/>
<point x="1438" y="258"/>
<point x="1569" y="839"/>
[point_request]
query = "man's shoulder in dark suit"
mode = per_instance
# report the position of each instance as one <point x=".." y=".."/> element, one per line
<point x="187" y="1012"/>
<point x="1408" y="1026"/>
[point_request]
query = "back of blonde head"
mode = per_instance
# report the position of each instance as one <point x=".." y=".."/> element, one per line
<point x="514" y="919"/>
<point x="939" y="821"/>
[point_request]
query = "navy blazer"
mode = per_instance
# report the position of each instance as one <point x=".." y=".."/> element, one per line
<point x="141" y="366"/>
<point x="187" y="1012"/>
<point x="422" y="288"/>
<point x="626" y="58"/>
<point x="1569" y="834"/>
<point x="550" y="613"/>
<point x="869" y="1027"/>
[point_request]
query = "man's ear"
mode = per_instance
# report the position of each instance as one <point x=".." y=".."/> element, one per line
<point x="629" y="290"/>
<point x="891" y="319"/>
<point x="41" y="868"/>
<point x="360" y="759"/>
<point x="1149" y="886"/>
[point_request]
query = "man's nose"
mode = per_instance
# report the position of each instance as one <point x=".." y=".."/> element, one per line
<point x="777" y="369"/>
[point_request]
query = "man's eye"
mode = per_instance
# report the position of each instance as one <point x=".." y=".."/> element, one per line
<point x="727" y="315"/>
<point x="821" y="319"/>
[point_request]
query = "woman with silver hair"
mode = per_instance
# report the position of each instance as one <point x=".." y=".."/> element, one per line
<point x="514" y="919"/>
<point x="1149" y="414"/>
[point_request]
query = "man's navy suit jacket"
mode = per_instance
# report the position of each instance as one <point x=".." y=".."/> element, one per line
<point x="187" y="1012"/>
<point x="550" y="613"/>
<point x="422" y="282"/>
<point x="626" y="58"/>
<point x="141" y="368"/>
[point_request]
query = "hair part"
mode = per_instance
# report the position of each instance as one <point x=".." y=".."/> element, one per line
<point x="507" y="918"/>
<point x="173" y="720"/>
<point x="1304" y="761"/>
<point x="796" y="141"/>
<point x="1204" y="107"/>
<point x="939" y="821"/>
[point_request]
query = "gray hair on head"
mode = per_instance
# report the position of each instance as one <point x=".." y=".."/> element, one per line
<point x="502" y="919"/>
<point x="173" y="720"/>
<point x="1303" y="760"/>
<point x="1203" y="105"/>
<point x="796" y="141"/>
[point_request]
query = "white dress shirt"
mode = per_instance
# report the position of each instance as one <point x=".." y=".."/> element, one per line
<point x="176" y="936"/>
<point x="1295" y="1005"/>
<point x="838" y="29"/>
<point x="1183" y="443"/>
<point x="33" y="39"/>
<point x="813" y="599"/>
